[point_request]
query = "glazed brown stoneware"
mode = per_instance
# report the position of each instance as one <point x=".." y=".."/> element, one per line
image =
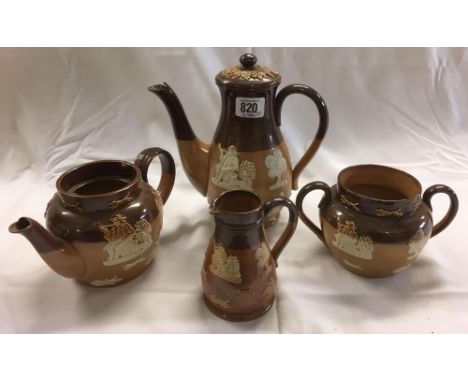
<point x="248" y="150"/>
<point x="374" y="221"/>
<point x="104" y="220"/>
<point x="238" y="273"/>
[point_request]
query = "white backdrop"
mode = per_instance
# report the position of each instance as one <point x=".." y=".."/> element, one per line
<point x="405" y="108"/>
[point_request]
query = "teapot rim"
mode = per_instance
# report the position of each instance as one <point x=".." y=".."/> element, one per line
<point x="128" y="187"/>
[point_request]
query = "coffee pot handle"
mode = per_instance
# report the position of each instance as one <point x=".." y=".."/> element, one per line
<point x="290" y="227"/>
<point x="166" y="182"/>
<point x="322" y="127"/>
<point x="325" y="200"/>
<point x="453" y="208"/>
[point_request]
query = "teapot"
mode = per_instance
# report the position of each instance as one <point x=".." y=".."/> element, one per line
<point x="104" y="221"/>
<point x="248" y="151"/>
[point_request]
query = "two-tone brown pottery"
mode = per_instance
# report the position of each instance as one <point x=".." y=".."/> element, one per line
<point x="238" y="273"/>
<point x="374" y="221"/>
<point x="248" y="151"/>
<point x="104" y="221"/>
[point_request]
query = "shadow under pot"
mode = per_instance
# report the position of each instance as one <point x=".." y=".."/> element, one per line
<point x="104" y="221"/>
<point x="374" y="221"/>
<point x="238" y="273"/>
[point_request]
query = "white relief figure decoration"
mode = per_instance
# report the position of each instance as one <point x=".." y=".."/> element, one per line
<point x="125" y="243"/>
<point x="398" y="270"/>
<point x="106" y="282"/>
<point x="262" y="256"/>
<point x="225" y="266"/>
<point x="131" y="265"/>
<point x="355" y="266"/>
<point x="158" y="200"/>
<point x="269" y="290"/>
<point x="276" y="165"/>
<point x="416" y="244"/>
<point x="347" y="239"/>
<point x="232" y="175"/>
<point x="219" y="301"/>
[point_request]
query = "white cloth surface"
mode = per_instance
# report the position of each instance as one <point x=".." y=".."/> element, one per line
<point x="405" y="108"/>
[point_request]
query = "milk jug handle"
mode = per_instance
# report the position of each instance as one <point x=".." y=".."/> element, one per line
<point x="453" y="208"/>
<point x="322" y="127"/>
<point x="166" y="182"/>
<point x="290" y="227"/>
<point x="323" y="202"/>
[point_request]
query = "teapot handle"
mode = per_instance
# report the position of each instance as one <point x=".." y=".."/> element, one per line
<point x="453" y="208"/>
<point x="290" y="227"/>
<point x="322" y="128"/>
<point x="325" y="200"/>
<point x="166" y="182"/>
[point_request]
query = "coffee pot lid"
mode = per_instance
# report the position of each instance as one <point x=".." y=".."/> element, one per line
<point x="249" y="73"/>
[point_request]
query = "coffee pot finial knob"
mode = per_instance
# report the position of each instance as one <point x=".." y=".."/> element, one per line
<point x="248" y="60"/>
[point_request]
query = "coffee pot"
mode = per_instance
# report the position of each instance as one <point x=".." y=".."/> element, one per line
<point x="248" y="151"/>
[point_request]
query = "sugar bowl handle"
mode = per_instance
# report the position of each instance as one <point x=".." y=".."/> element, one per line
<point x="166" y="182"/>
<point x="453" y="208"/>
<point x="290" y="227"/>
<point x="325" y="200"/>
<point x="322" y="128"/>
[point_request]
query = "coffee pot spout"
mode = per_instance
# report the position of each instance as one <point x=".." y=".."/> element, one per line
<point x="59" y="255"/>
<point x="193" y="152"/>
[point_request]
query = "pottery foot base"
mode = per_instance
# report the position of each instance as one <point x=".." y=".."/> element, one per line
<point x="236" y="317"/>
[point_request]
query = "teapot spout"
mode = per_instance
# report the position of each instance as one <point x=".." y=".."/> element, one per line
<point x="59" y="255"/>
<point x="194" y="153"/>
